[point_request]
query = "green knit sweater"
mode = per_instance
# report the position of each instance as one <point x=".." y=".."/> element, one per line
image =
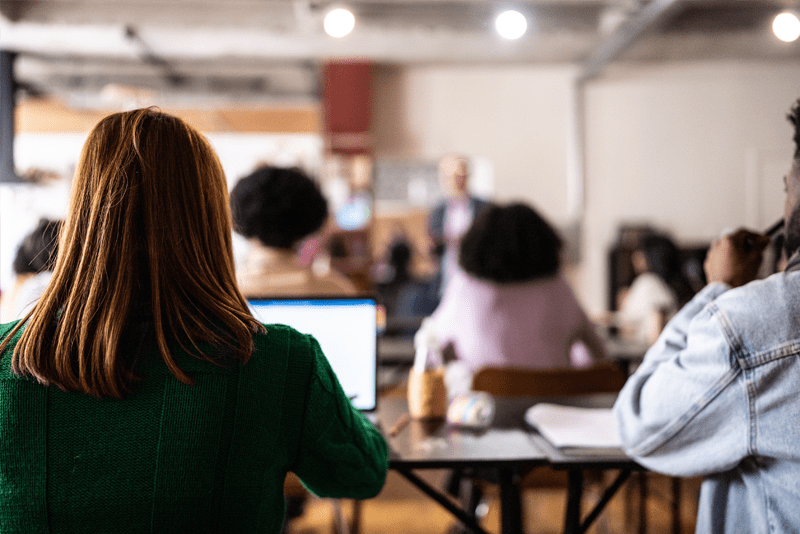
<point x="208" y="457"/>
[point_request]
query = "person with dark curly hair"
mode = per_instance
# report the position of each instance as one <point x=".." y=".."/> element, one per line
<point x="509" y="306"/>
<point x="276" y="208"/>
<point x="33" y="266"/>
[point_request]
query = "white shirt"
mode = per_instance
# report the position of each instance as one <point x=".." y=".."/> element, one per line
<point x="647" y="296"/>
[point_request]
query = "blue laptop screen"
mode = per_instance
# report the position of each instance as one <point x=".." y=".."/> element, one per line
<point x="346" y="329"/>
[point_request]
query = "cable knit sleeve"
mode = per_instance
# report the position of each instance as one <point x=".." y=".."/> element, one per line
<point x="341" y="453"/>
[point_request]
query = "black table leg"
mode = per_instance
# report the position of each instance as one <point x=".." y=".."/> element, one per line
<point x="642" y="502"/>
<point x="572" y="519"/>
<point x="466" y="519"/>
<point x="676" y="505"/>
<point x="608" y="494"/>
<point x="510" y="502"/>
<point x="573" y="523"/>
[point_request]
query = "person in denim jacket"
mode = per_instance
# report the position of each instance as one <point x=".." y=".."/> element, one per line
<point x="718" y="395"/>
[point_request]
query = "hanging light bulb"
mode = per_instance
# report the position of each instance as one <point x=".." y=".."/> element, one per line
<point x="511" y="24"/>
<point x="786" y="27"/>
<point x="339" y="22"/>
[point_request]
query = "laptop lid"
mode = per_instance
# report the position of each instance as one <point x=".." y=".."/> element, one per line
<point x="346" y="329"/>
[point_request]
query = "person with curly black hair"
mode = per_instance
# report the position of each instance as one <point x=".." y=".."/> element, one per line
<point x="33" y="266"/>
<point x="276" y="208"/>
<point x="508" y="305"/>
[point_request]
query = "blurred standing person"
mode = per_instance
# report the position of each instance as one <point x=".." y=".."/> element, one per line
<point x="140" y="394"/>
<point x="450" y="219"/>
<point x="276" y="208"/>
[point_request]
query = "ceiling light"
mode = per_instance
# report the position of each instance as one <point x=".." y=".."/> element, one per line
<point x="786" y="27"/>
<point x="339" y="22"/>
<point x="511" y="24"/>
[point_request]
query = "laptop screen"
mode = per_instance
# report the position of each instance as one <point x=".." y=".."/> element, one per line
<point x="346" y="329"/>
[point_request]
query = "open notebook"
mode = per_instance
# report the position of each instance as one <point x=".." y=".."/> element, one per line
<point x="346" y="329"/>
<point x="574" y="430"/>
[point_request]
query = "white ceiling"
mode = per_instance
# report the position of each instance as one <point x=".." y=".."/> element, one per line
<point x="249" y="50"/>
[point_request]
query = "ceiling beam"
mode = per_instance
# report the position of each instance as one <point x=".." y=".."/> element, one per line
<point x="656" y="13"/>
<point x="150" y="57"/>
<point x="653" y="14"/>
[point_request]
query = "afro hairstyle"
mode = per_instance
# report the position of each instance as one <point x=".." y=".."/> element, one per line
<point x="510" y="243"/>
<point x="278" y="206"/>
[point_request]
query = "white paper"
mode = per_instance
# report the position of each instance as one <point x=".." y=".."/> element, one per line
<point x="569" y="426"/>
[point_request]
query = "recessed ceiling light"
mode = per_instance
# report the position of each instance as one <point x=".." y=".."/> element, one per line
<point x="786" y="27"/>
<point x="339" y="22"/>
<point x="511" y="24"/>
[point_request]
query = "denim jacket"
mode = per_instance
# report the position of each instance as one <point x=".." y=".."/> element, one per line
<point x="718" y="395"/>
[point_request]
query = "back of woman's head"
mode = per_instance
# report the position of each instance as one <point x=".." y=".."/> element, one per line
<point x="663" y="258"/>
<point x="38" y="250"/>
<point x="278" y="206"/>
<point x="510" y="243"/>
<point x="661" y="255"/>
<point x="148" y="228"/>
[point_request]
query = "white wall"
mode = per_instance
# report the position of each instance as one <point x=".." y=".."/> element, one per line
<point x="515" y="117"/>
<point x="693" y="148"/>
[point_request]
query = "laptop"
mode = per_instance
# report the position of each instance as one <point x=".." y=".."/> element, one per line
<point x="346" y="329"/>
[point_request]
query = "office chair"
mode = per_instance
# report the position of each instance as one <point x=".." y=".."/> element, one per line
<point x="511" y="382"/>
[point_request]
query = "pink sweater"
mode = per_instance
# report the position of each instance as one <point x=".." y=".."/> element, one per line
<point x="528" y="325"/>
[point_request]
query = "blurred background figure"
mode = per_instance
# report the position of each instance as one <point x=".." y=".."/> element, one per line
<point x="509" y="305"/>
<point x="276" y="209"/>
<point x="451" y="218"/>
<point x="392" y="271"/>
<point x="33" y="268"/>
<point x="407" y="297"/>
<point x="659" y="290"/>
<point x="400" y="253"/>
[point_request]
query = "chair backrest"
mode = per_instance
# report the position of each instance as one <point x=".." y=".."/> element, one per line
<point x="511" y="382"/>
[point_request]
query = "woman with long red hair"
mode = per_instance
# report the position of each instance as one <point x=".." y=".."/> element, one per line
<point x="139" y="394"/>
